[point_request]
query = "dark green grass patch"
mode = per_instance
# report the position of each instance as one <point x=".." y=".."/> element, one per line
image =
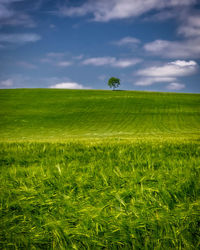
<point x="100" y="196"/>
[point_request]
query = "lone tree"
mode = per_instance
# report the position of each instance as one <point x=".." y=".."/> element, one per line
<point x="113" y="82"/>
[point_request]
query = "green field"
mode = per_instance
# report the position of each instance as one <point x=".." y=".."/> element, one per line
<point x="58" y="115"/>
<point x="88" y="169"/>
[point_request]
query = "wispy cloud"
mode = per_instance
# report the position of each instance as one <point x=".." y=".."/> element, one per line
<point x="190" y="26"/>
<point x="168" y="72"/>
<point x="102" y="77"/>
<point x="104" y="10"/>
<point x="162" y="15"/>
<point x="6" y="83"/>
<point x="19" y="38"/>
<point x="64" y="63"/>
<point x="124" y="63"/>
<point x="79" y="57"/>
<point x="147" y="81"/>
<point x="175" y="86"/>
<point x="111" y="61"/>
<point x="27" y="65"/>
<point x="57" y="59"/>
<point x="130" y="41"/>
<point x="173" y="49"/>
<point x="99" y="61"/>
<point x="56" y="55"/>
<point x="68" y="85"/>
<point x="52" y="26"/>
<point x="9" y="16"/>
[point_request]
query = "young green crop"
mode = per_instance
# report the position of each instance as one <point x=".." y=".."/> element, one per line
<point x="87" y="169"/>
<point x="57" y="115"/>
<point x="100" y="196"/>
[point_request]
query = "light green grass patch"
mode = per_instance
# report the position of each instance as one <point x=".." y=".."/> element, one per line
<point x="58" y="115"/>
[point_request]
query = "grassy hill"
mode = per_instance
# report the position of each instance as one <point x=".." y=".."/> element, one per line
<point x="46" y="114"/>
<point x="88" y="169"/>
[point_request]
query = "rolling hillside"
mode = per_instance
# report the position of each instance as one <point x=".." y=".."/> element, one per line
<point x="131" y="182"/>
<point x="47" y="114"/>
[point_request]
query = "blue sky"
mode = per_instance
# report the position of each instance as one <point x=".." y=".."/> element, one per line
<point x="149" y="44"/>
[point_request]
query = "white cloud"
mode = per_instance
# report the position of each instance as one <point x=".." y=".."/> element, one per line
<point x="181" y="63"/>
<point x="127" y="41"/>
<point x="147" y="81"/>
<point x="18" y="19"/>
<point x="168" y="72"/>
<point x="189" y="31"/>
<point x="99" y="61"/>
<point x="64" y="64"/>
<point x="12" y="17"/>
<point x="190" y="27"/>
<point x="162" y="15"/>
<point x="104" y="10"/>
<point x="68" y="85"/>
<point x="189" y="47"/>
<point x="173" y="49"/>
<point x="124" y="63"/>
<point x="175" y="86"/>
<point x="172" y="69"/>
<point x="6" y="83"/>
<point x="19" y="38"/>
<point x="79" y="57"/>
<point x="111" y="61"/>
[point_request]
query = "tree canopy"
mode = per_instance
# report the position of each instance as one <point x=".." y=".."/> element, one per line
<point x="114" y="82"/>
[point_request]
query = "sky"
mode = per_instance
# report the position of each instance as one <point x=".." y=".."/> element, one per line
<point x="151" y="45"/>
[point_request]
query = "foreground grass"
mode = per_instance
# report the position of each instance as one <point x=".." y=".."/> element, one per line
<point x="100" y="196"/>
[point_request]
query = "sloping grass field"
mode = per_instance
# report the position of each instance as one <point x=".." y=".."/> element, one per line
<point x="86" y="169"/>
<point x="57" y="115"/>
